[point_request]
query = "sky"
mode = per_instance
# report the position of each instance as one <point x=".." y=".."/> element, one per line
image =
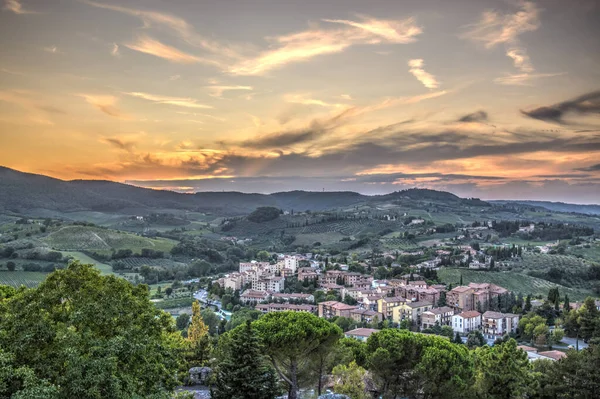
<point x="495" y="99"/>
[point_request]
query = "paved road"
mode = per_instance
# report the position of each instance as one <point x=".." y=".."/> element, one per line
<point x="572" y="341"/>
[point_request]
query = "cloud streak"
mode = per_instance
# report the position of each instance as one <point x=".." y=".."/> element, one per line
<point x="416" y="69"/>
<point x="587" y="104"/>
<point x="478" y="116"/>
<point x="104" y="103"/>
<point x="302" y="46"/>
<point x="147" y="45"/>
<point x="175" y="101"/>
<point x="16" y="7"/>
<point x="495" y="29"/>
<point x="217" y="91"/>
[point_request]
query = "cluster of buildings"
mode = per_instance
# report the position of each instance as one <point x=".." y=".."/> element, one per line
<point x="405" y="299"/>
<point x="261" y="276"/>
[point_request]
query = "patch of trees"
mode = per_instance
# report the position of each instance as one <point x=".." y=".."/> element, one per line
<point x="559" y="231"/>
<point x="504" y="253"/>
<point x="264" y="214"/>
<point x="445" y="228"/>
<point x="505" y="228"/>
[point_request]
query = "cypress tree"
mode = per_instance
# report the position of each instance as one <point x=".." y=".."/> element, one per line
<point x="243" y="371"/>
<point x="567" y="305"/>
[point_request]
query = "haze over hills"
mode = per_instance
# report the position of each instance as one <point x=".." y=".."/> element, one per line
<point x="22" y="192"/>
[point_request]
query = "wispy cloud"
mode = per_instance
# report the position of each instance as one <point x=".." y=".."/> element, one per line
<point x="494" y="29"/>
<point x="121" y="144"/>
<point x="305" y="99"/>
<point x="390" y="31"/>
<point x="52" y="49"/>
<point x="147" y="45"/>
<point x="115" y="50"/>
<point x="217" y="91"/>
<point x="16" y="7"/>
<point x="587" y="104"/>
<point x="302" y="46"/>
<point x="31" y="103"/>
<point x="174" y="77"/>
<point x="346" y="96"/>
<point x="416" y="68"/>
<point x="11" y="72"/>
<point x="523" y="79"/>
<point x="104" y="103"/>
<point x="478" y="116"/>
<point x="176" y="101"/>
<point x="173" y="24"/>
<point x="216" y="118"/>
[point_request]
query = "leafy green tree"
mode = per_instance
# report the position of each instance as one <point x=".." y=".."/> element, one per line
<point x="350" y="380"/>
<point x="528" y="325"/>
<point x="241" y="316"/>
<point x="198" y="341"/>
<point x="457" y="339"/>
<point x="211" y="319"/>
<point x="503" y="372"/>
<point x="573" y="377"/>
<point x="21" y="382"/>
<point x="242" y="370"/>
<point x="263" y="256"/>
<point x="91" y="336"/>
<point x="588" y="319"/>
<point x="475" y="339"/>
<point x="291" y="338"/>
<point x="407" y="364"/>
<point x="11" y="266"/>
<point x="183" y="321"/>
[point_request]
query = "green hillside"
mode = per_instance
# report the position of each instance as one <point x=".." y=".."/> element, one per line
<point x="513" y="281"/>
<point x="103" y="241"/>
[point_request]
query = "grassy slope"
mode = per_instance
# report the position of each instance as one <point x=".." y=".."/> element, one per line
<point x="77" y="238"/>
<point x="83" y="258"/>
<point x="512" y="281"/>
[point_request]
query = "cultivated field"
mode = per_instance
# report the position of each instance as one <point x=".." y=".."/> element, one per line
<point x="513" y="281"/>
<point x="78" y="238"/>
<point x="19" y="278"/>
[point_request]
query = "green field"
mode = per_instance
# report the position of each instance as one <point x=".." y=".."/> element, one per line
<point x="19" y="278"/>
<point x="513" y="281"/>
<point x="103" y="241"/>
<point x="83" y="258"/>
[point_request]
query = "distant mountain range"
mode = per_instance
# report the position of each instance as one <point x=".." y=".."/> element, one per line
<point x="558" y="206"/>
<point x="22" y="192"/>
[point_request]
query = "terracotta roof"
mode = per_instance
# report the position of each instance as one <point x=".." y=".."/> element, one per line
<point x="460" y="288"/>
<point x="556" y="355"/>
<point x="527" y="348"/>
<point x="362" y="332"/>
<point x="418" y="304"/>
<point x="493" y="315"/>
<point x="443" y="309"/>
<point x="470" y="314"/>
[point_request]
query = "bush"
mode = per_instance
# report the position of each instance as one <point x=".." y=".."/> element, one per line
<point x="264" y="214"/>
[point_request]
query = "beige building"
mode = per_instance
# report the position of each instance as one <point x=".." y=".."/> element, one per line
<point x="441" y="316"/>
<point x="386" y="305"/>
<point x="330" y="309"/>
<point x="410" y="311"/>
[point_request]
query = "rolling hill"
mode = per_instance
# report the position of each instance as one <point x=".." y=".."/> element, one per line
<point x="23" y="192"/>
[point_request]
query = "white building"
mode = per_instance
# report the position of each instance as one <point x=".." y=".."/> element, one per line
<point x="466" y="322"/>
<point x="496" y="324"/>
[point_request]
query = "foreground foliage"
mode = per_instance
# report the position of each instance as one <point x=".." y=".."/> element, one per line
<point x="83" y="335"/>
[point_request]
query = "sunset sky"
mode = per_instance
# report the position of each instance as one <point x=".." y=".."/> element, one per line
<point x="497" y="99"/>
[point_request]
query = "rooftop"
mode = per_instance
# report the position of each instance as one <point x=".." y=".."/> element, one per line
<point x="362" y="332"/>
